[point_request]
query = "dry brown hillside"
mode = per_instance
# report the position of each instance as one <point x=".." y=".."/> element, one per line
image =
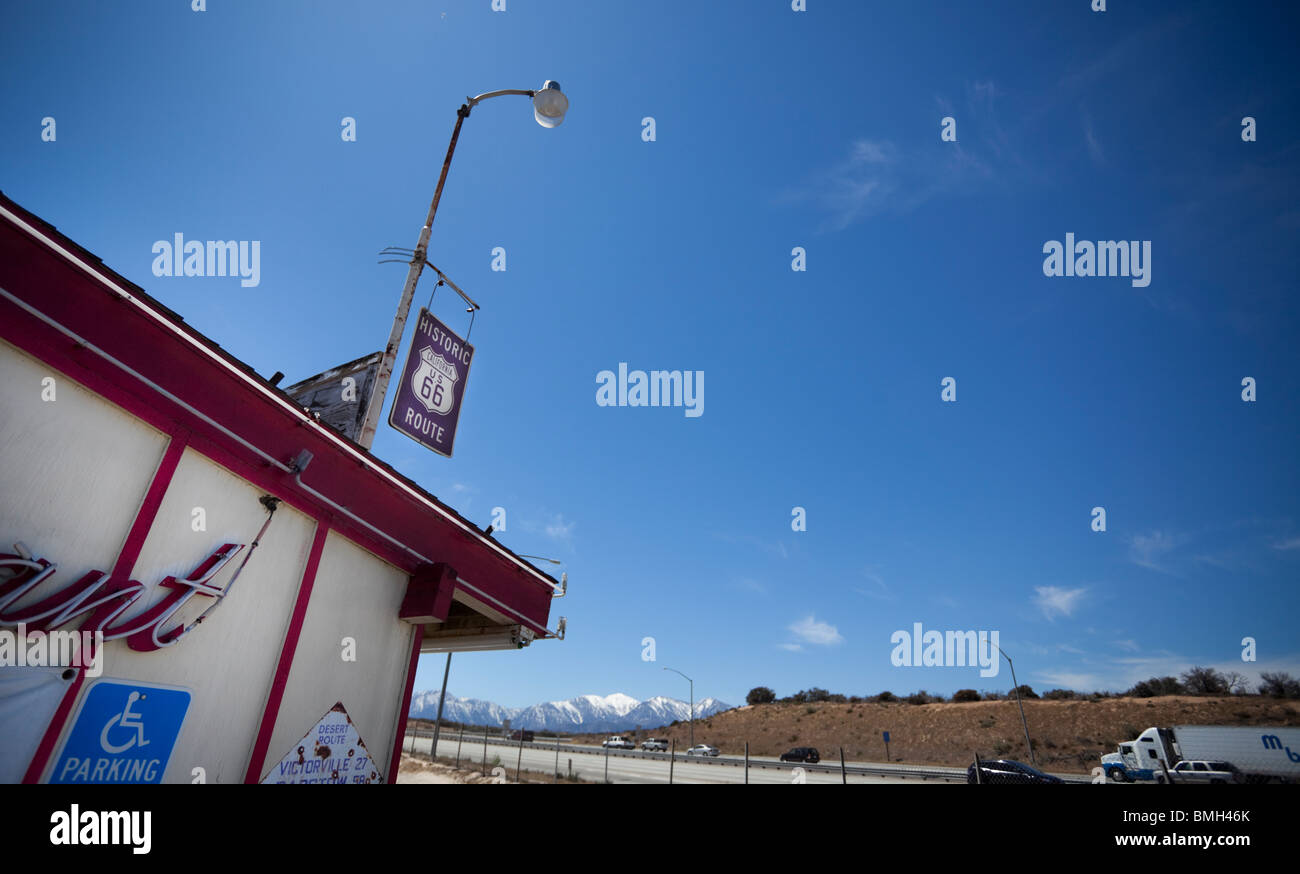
<point x="1067" y="735"/>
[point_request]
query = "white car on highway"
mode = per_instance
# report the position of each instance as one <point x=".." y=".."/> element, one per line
<point x="618" y="743"/>
<point x="702" y="750"/>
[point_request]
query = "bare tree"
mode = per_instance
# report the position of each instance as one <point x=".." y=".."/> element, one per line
<point x="1204" y="681"/>
<point x="1236" y="683"/>
<point x="1279" y="685"/>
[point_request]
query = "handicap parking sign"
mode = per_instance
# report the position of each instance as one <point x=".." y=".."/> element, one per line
<point x="124" y="733"/>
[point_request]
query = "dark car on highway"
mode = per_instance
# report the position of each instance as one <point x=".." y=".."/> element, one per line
<point x="1008" y="771"/>
<point x="802" y="754"/>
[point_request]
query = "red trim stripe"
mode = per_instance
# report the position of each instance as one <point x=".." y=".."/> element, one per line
<point x="126" y="560"/>
<point x="396" y="759"/>
<point x="272" y="711"/>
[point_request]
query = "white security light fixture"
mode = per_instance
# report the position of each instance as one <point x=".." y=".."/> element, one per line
<point x="550" y="104"/>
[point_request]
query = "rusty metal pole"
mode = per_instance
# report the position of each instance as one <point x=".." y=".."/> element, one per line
<point x="458" y="743"/>
<point x="386" y="364"/>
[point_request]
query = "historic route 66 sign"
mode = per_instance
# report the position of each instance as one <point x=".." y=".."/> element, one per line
<point x="429" y="395"/>
<point x="434" y="382"/>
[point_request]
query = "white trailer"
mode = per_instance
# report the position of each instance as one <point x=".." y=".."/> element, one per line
<point x="1261" y="753"/>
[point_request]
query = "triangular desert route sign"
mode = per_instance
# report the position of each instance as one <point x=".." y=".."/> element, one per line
<point x="332" y="752"/>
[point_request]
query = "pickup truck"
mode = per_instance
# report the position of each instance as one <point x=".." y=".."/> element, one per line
<point x="618" y="743"/>
<point x="654" y="745"/>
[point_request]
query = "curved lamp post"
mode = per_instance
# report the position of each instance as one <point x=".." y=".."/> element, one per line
<point x="692" y="682"/>
<point x="549" y="107"/>
<point x="1028" y="743"/>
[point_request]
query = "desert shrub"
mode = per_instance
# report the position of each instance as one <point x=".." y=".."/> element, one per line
<point x="760" y="695"/>
<point x="1275" y="684"/>
<point x="1025" y="692"/>
<point x="922" y="697"/>
<point x="964" y="695"/>
<point x="886" y="696"/>
<point x="1060" y="695"/>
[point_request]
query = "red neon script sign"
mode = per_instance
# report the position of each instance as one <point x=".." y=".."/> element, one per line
<point x="107" y="598"/>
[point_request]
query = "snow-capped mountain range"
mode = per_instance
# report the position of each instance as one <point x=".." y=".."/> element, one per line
<point x="586" y="713"/>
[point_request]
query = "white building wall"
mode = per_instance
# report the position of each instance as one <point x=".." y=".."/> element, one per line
<point x="228" y="662"/>
<point x="356" y="595"/>
<point x="73" y="473"/>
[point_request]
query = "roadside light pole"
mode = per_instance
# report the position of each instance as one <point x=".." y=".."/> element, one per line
<point x="437" y="723"/>
<point x="549" y="106"/>
<point x="1028" y="744"/>
<point x="692" y="682"/>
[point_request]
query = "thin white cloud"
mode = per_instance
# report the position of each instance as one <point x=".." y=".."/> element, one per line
<point x="1286" y="545"/>
<point x="1094" y="147"/>
<point x="1055" y="601"/>
<point x="810" y="630"/>
<point x="877" y="588"/>
<point x="792" y="647"/>
<point x="559" y="529"/>
<point x="1129" y="645"/>
<point x="1150" y="550"/>
<point x="1073" y="681"/>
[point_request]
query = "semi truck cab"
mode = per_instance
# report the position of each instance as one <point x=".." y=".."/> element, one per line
<point x="1144" y="758"/>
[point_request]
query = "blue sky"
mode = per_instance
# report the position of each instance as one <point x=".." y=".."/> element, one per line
<point x="773" y="129"/>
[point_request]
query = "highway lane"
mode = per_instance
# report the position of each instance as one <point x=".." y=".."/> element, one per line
<point x="589" y="764"/>
<point x="827" y="771"/>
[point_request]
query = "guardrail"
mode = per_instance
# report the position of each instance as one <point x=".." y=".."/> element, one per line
<point x="920" y="772"/>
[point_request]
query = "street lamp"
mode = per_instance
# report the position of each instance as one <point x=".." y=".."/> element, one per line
<point x="564" y="577"/>
<point x="1029" y="744"/>
<point x="692" y="682"/>
<point x="549" y="107"/>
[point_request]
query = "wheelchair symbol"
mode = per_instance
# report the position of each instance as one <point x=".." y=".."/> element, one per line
<point x="125" y="719"/>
